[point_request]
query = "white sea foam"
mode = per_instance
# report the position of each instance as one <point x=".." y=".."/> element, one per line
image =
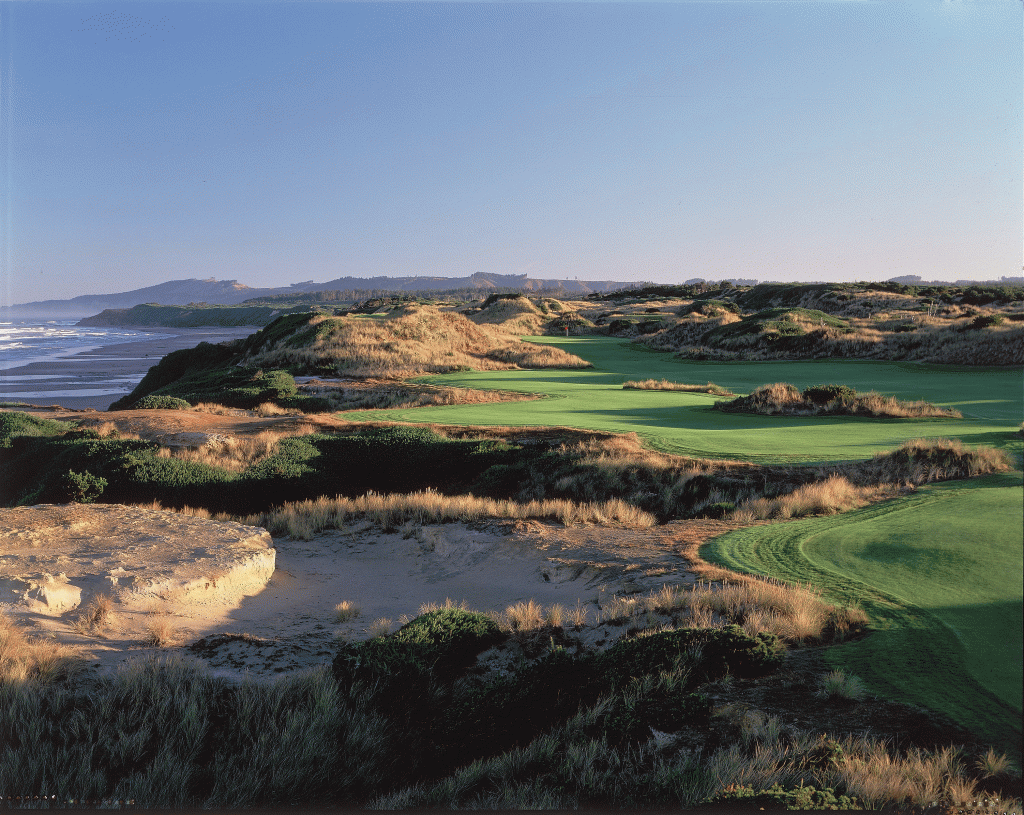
<point x="24" y="342"/>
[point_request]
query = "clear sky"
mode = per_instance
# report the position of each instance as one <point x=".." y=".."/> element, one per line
<point x="282" y="142"/>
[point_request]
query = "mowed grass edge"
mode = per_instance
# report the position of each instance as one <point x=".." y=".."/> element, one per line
<point x="953" y="647"/>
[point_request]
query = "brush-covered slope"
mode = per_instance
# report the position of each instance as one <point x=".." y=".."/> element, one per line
<point x="408" y="342"/>
<point x="412" y="341"/>
<point x="787" y="321"/>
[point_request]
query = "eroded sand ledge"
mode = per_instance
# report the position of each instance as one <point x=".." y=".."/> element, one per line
<point x="56" y="558"/>
<point x="249" y="606"/>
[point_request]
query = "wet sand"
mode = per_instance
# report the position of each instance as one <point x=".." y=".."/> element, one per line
<point x="95" y="378"/>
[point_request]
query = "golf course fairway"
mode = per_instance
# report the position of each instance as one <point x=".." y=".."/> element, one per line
<point x="685" y="424"/>
<point x="939" y="573"/>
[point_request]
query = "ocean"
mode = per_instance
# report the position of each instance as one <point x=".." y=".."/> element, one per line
<point x="60" y="342"/>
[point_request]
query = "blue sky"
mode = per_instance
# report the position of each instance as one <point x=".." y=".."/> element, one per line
<point x="282" y="142"/>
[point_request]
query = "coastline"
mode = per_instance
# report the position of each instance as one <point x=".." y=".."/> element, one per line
<point x="95" y="378"/>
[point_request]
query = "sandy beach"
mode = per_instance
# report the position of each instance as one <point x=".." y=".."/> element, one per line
<point x="95" y="378"/>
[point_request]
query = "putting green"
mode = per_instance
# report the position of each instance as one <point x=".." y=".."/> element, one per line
<point x="939" y="573"/>
<point x="989" y="398"/>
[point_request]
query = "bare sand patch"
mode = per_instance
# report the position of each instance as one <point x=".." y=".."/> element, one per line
<point x="205" y="587"/>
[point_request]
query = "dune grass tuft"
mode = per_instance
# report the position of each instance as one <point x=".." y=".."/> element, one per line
<point x="665" y="385"/>
<point x="783" y="399"/>
<point x="346" y="610"/>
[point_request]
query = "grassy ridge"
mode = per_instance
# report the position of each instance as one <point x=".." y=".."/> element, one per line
<point x="684" y="423"/>
<point x="196" y="316"/>
<point x="939" y="574"/>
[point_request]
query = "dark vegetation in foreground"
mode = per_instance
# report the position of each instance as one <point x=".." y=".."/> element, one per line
<point x="43" y="461"/>
<point x="414" y="719"/>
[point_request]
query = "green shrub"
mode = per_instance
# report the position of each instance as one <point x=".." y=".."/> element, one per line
<point x="823" y="394"/>
<point x="441" y="642"/>
<point x="776" y="797"/>
<point x="163" y="402"/>
<point x="986" y="321"/>
<point x="722" y="651"/>
<point x="83" y="488"/>
<point x="494" y="298"/>
<point x="187" y="362"/>
<point x="13" y="424"/>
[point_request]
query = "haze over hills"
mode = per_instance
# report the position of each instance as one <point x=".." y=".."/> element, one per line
<point x="231" y="292"/>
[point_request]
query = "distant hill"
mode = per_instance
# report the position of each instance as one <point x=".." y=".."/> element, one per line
<point x="231" y="292"/>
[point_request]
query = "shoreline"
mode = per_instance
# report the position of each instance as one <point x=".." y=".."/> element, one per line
<point x="94" y="378"/>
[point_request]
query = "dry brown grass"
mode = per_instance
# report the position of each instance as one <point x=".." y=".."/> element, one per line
<point x="162" y="633"/>
<point x="514" y="315"/>
<point x="270" y="409"/>
<point x="525" y="616"/>
<point x="865" y="768"/>
<point x="877" y="330"/>
<point x="922" y="461"/>
<point x="409" y="342"/>
<point x="95" y="616"/>
<point x="25" y="658"/>
<point x="375" y="395"/>
<point x="107" y="429"/>
<point x="665" y="385"/>
<point x="236" y="453"/>
<point x="346" y="610"/>
<point x="219" y="410"/>
<point x="834" y="494"/>
<point x="783" y="399"/>
<point x="304" y="519"/>
<point x="793" y="613"/>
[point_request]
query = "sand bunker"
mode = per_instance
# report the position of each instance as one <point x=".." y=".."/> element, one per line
<point x="251" y="606"/>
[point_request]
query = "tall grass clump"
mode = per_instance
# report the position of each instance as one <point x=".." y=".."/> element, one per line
<point x="305" y="518"/>
<point x="24" y="658"/>
<point x="838" y="684"/>
<point x="783" y="399"/>
<point x="923" y="461"/>
<point x="665" y="385"/>
<point x="346" y="610"/>
<point x="834" y="494"/>
<point x="164" y="733"/>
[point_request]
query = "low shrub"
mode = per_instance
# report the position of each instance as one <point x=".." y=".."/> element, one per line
<point x="161" y="402"/>
<point x="777" y="797"/>
<point x="14" y="424"/>
<point x="83" y="488"/>
<point x="823" y="394"/>
<point x="722" y="651"/>
<point x="438" y="644"/>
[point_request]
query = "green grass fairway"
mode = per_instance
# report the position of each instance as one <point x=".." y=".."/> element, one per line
<point x="940" y="574"/>
<point x="989" y="398"/>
